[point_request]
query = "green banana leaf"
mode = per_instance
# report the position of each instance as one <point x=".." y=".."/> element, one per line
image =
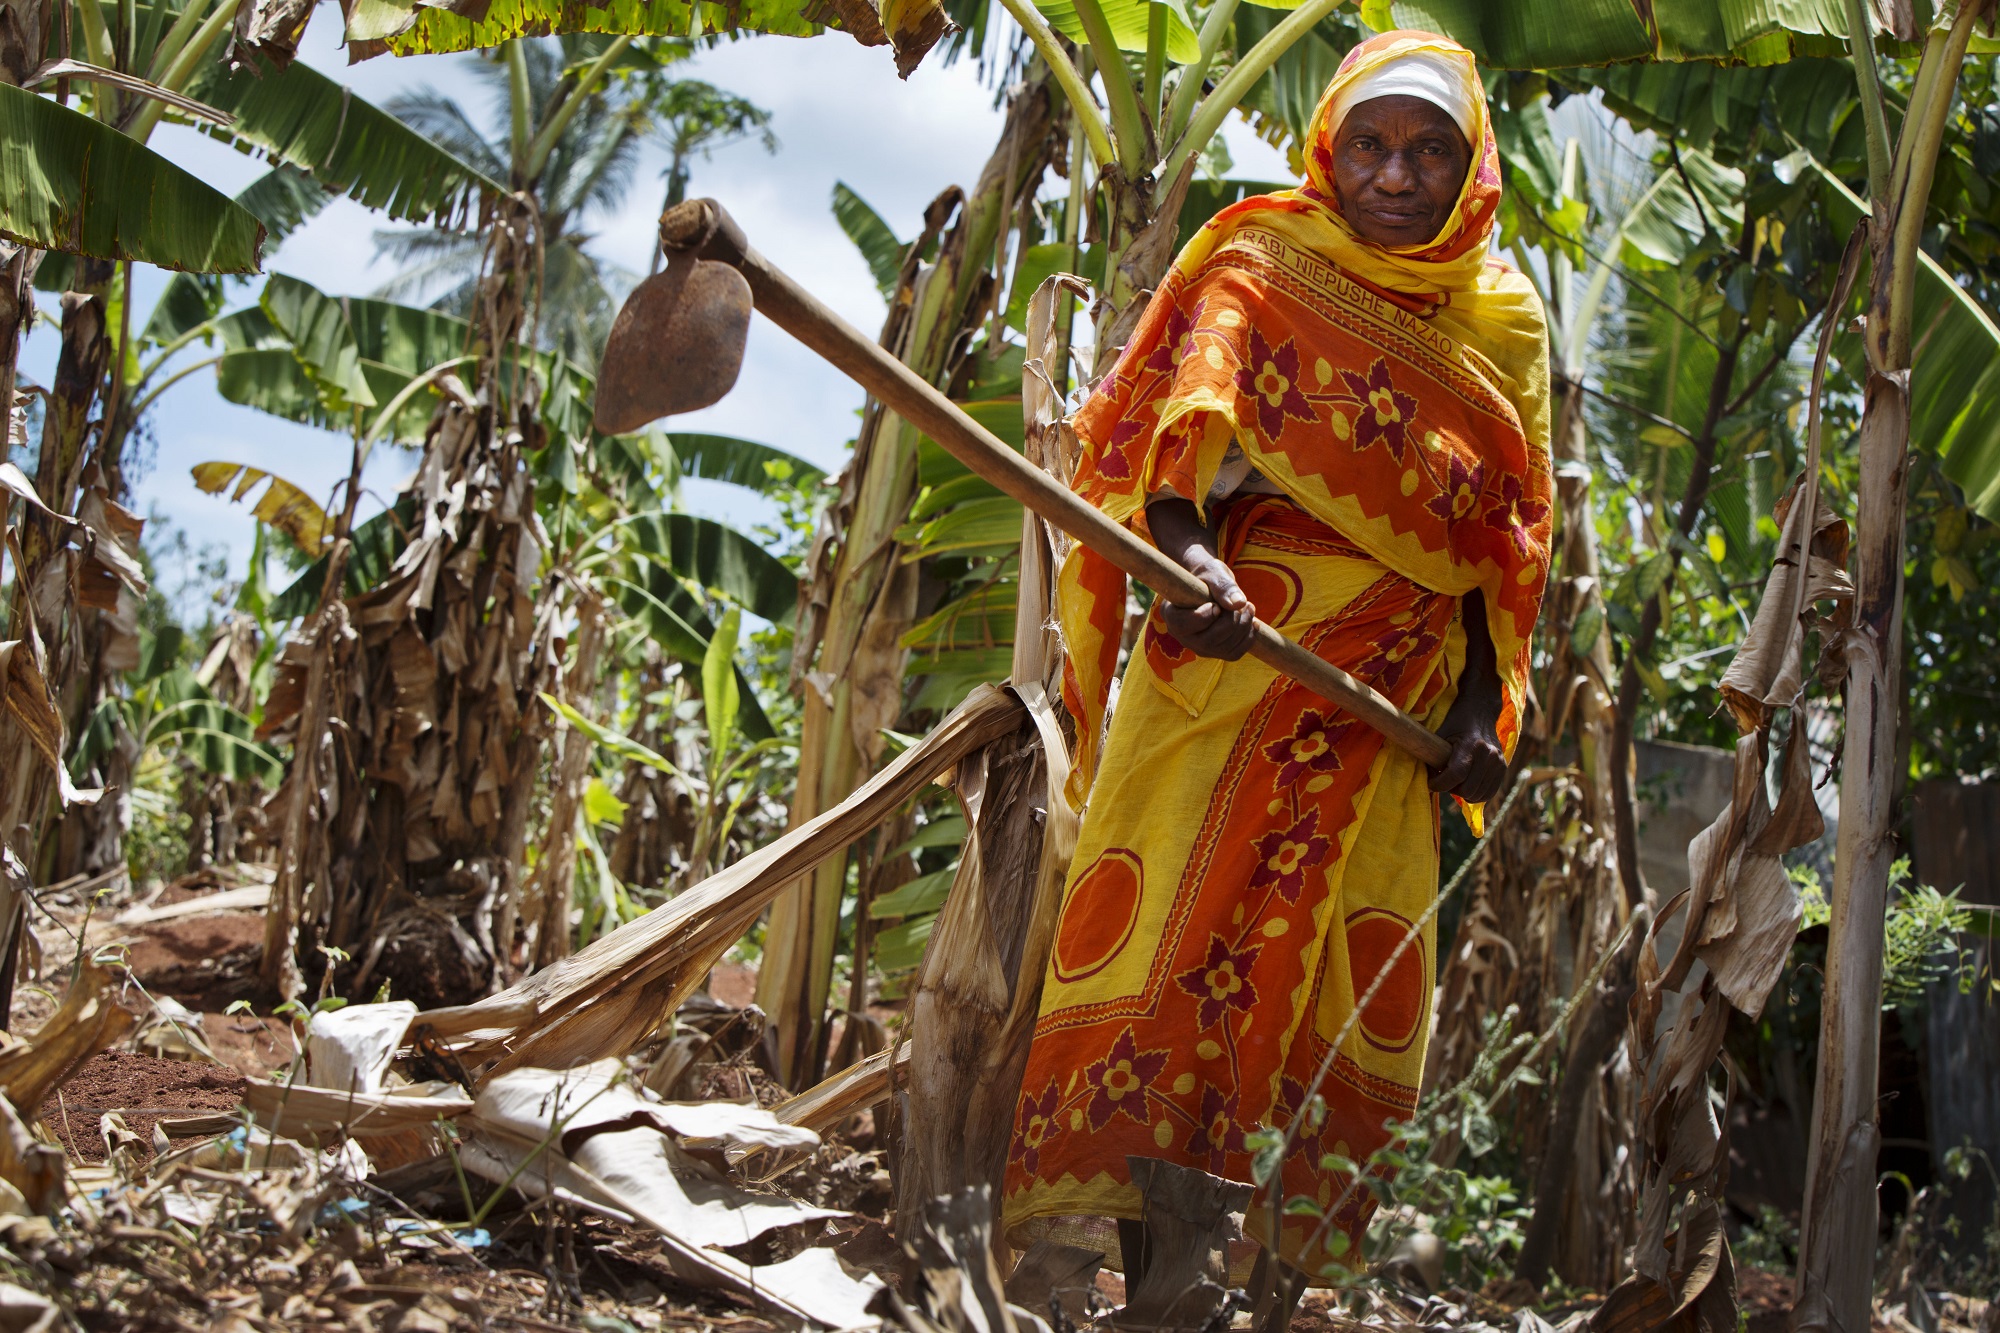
<point x="925" y="893"/>
<point x="1128" y="21"/>
<point x="283" y="199"/>
<point x="1547" y="34"/>
<point x="1668" y="221"/>
<point x="377" y="543"/>
<point x="871" y="236"/>
<point x="322" y="339"/>
<point x="760" y="467"/>
<point x="1955" y="374"/>
<point x="270" y="379"/>
<point x="300" y="116"/>
<point x="216" y="738"/>
<point x="1723" y="105"/>
<point x="410" y="28"/>
<point x="671" y="616"/>
<point x="76" y="185"/>
<point x="715" y="556"/>
<point x="343" y="353"/>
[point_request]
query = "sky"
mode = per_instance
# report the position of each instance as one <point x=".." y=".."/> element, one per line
<point x="840" y="114"/>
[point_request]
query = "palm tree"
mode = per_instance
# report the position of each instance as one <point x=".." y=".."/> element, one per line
<point x="697" y="118"/>
<point x="588" y="171"/>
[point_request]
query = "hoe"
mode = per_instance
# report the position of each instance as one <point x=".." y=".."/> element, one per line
<point x="678" y="344"/>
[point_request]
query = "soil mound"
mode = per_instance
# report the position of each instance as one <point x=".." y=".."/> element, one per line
<point x="143" y="1089"/>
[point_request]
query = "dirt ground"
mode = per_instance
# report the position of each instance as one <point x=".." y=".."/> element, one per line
<point x="143" y="1089"/>
<point x="541" y="1267"/>
<point x="206" y="962"/>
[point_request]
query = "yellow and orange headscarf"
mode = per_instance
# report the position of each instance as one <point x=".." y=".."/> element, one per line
<point x="1441" y="348"/>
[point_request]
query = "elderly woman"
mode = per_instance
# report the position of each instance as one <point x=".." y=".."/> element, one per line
<point x="1334" y="413"/>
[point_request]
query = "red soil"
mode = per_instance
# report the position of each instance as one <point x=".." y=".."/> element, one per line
<point x="205" y="962"/>
<point x="142" y="1088"/>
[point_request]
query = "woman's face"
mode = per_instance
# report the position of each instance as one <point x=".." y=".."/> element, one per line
<point x="1398" y="164"/>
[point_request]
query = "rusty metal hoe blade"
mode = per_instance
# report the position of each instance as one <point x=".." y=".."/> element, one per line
<point x="676" y="345"/>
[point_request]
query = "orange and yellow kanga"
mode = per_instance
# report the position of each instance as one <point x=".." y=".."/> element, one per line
<point x="1364" y="429"/>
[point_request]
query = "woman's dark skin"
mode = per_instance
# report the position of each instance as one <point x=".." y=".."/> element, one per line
<point x="1398" y="166"/>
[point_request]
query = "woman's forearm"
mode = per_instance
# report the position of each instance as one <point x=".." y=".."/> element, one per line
<point x="1479" y="691"/>
<point x="1179" y="532"/>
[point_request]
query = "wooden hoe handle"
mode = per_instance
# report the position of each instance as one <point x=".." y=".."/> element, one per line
<point x="703" y="228"/>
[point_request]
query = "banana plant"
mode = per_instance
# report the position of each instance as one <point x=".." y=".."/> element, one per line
<point x="169" y="705"/>
<point x="729" y="772"/>
<point x="164" y="721"/>
<point x="409" y="28"/>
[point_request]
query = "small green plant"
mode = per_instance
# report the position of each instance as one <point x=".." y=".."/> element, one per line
<point x="1477" y="1215"/>
<point x="1921" y="933"/>
<point x="1771" y="1242"/>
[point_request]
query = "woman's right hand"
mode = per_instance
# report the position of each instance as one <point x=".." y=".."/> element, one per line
<point x="1219" y="627"/>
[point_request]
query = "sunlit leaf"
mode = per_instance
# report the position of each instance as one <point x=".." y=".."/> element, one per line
<point x="283" y="505"/>
<point x="719" y="695"/>
<point x="76" y="185"/>
<point x="600" y="806"/>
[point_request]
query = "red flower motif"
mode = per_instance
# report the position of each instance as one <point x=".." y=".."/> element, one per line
<point x="1386" y="414"/>
<point x="1284" y="857"/>
<point x="1395" y="649"/>
<point x="1179" y="339"/>
<point x="1114" y="463"/>
<point x="1037" y="1126"/>
<point x="1272" y="379"/>
<point x="1218" y="1133"/>
<point x="1166" y="652"/>
<point x="1221" y="981"/>
<point x="1309" y="749"/>
<point x="1119" y="1080"/>
<point x="1515" y="514"/>
<point x="1461" y="492"/>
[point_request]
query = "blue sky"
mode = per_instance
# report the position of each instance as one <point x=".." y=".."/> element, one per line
<point x="840" y="114"/>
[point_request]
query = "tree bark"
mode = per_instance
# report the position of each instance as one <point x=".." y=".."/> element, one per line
<point x="1837" y="1226"/>
<point x="1837" y="1233"/>
<point x="1582" y="1071"/>
<point x="1579" y="705"/>
<point x="17" y="316"/>
<point x="43" y="600"/>
<point x="551" y="895"/>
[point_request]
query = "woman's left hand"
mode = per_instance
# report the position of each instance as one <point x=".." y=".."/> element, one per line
<point x="1476" y="768"/>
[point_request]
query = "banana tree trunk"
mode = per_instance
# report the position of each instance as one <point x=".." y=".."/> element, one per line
<point x="978" y="991"/>
<point x="1838" y="1225"/>
<point x="1577" y="1226"/>
<point x="855" y="689"/>
<point x="432" y="749"/>
<point x="17" y="316"/>
<point x="554" y="886"/>
<point x="41" y="613"/>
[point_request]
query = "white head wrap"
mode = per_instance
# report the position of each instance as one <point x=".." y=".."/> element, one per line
<point x="1431" y="75"/>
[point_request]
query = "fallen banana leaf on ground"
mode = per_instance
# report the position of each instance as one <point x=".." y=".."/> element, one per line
<point x="863" y="1084"/>
<point x="308" y="1114"/>
<point x="350" y="1049"/>
<point x="613" y="996"/>
<point x="585" y="1135"/>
